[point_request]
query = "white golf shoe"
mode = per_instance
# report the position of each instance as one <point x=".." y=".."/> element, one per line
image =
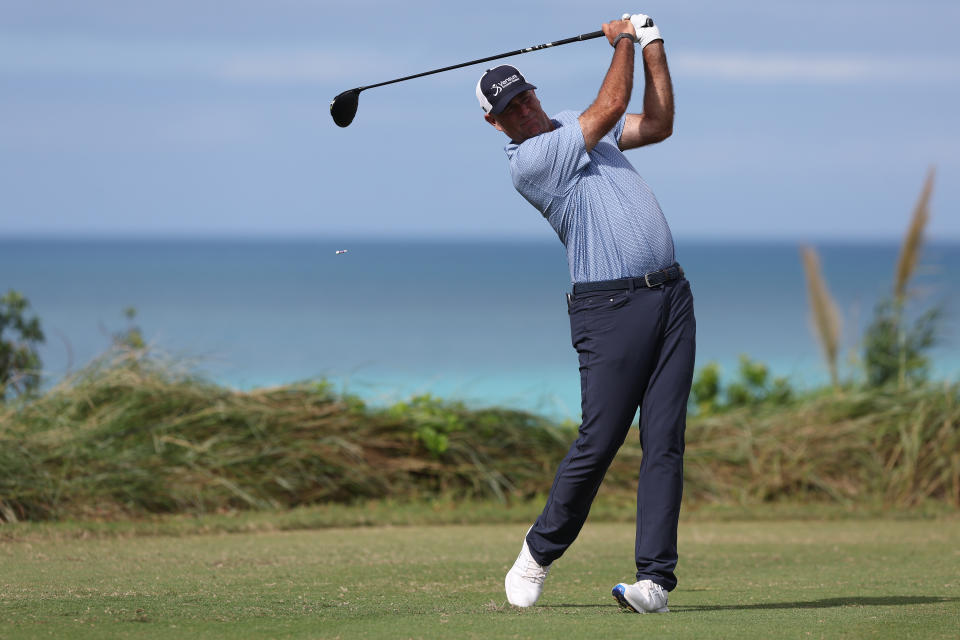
<point x="645" y="596"/>
<point x="524" y="581"/>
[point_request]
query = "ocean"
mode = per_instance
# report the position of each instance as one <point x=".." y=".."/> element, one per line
<point x="483" y="322"/>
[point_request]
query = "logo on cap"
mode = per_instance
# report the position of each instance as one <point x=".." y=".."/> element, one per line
<point x="500" y="86"/>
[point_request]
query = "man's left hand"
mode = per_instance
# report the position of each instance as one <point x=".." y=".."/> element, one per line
<point x="645" y="34"/>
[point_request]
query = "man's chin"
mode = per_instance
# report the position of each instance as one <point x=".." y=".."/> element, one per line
<point x="534" y="130"/>
<point x="526" y="134"/>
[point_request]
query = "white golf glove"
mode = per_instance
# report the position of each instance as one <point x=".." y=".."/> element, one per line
<point x="645" y="34"/>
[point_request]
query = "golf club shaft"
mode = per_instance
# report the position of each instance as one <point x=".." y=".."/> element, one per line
<point x="581" y="37"/>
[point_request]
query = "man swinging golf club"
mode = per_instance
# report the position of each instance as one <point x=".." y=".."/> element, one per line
<point x="631" y="310"/>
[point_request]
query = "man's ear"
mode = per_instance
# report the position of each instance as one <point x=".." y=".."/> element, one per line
<point x="492" y="120"/>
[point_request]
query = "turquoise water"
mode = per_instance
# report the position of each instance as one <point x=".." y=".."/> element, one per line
<point x="483" y="322"/>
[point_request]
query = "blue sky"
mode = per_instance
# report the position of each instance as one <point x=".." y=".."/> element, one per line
<point x="801" y="120"/>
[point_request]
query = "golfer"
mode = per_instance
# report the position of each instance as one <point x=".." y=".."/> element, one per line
<point x="631" y="310"/>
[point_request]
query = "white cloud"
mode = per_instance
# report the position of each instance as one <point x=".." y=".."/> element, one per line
<point x="85" y="56"/>
<point x="820" y="68"/>
<point x="305" y="64"/>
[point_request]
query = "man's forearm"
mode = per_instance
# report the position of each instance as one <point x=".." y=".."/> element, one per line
<point x="617" y="87"/>
<point x="656" y="122"/>
<point x="657" y="92"/>
<point x="613" y="97"/>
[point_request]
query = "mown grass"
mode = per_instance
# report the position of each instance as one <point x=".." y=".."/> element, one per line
<point x="130" y="437"/>
<point x="609" y="507"/>
<point x="787" y="579"/>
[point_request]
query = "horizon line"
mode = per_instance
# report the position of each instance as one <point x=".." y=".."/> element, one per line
<point x="430" y="238"/>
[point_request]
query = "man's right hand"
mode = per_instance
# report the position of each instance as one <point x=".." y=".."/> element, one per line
<point x="614" y="28"/>
<point x="646" y="31"/>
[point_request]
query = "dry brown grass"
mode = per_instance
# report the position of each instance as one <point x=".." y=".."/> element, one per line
<point x="902" y="448"/>
<point x="126" y="438"/>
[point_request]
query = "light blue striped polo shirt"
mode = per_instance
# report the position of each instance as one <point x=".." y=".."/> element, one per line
<point x="605" y="214"/>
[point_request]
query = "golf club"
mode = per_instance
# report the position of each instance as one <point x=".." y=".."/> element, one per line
<point x="343" y="108"/>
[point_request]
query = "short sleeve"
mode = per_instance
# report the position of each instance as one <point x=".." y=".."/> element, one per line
<point x="618" y="129"/>
<point x="552" y="161"/>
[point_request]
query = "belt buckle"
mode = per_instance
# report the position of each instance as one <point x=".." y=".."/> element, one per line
<point x="646" y="279"/>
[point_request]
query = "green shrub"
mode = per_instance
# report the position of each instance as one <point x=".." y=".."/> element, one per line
<point x="132" y="336"/>
<point x="752" y="387"/>
<point x="895" y="350"/>
<point x="432" y="420"/>
<point x="19" y="337"/>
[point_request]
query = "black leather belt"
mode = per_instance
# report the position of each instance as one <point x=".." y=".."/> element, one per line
<point x="651" y="280"/>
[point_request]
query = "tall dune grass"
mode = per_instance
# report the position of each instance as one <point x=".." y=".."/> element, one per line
<point x="901" y="448"/>
<point x="128" y="437"/>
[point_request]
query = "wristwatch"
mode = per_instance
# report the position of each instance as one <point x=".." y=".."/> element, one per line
<point x="623" y="35"/>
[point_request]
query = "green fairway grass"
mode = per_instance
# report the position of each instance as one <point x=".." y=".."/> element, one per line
<point x="869" y="578"/>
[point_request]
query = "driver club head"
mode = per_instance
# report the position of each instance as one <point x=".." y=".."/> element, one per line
<point x="343" y="108"/>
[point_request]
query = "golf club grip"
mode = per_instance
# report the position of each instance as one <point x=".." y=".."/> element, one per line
<point x="579" y="38"/>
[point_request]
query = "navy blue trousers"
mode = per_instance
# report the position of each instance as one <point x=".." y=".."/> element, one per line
<point x="636" y="350"/>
